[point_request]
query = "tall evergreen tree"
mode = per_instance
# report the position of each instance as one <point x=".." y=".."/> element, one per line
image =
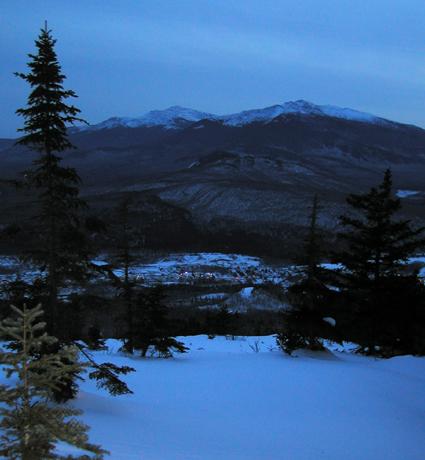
<point x="126" y="241"/>
<point x="303" y="325"/>
<point x="380" y="295"/>
<point x="61" y="248"/>
<point x="31" y="424"/>
<point x="312" y="244"/>
<point x="377" y="245"/>
<point x="61" y="245"/>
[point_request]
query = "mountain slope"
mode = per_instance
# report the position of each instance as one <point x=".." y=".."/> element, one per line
<point x="258" y="166"/>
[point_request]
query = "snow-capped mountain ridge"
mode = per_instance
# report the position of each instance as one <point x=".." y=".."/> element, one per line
<point x="300" y="107"/>
<point x="168" y="118"/>
<point x="177" y="117"/>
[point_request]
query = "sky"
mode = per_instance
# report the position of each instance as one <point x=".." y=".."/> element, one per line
<point x="126" y="57"/>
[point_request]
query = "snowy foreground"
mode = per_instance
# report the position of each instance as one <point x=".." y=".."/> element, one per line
<point x="244" y="399"/>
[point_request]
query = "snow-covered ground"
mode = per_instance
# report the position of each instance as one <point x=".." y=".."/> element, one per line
<point x="245" y="400"/>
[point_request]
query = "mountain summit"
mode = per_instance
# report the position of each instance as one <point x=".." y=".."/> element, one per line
<point x="177" y="117"/>
<point x="299" y="107"/>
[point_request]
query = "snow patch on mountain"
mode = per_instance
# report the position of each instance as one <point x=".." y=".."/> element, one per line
<point x="406" y="193"/>
<point x="252" y="116"/>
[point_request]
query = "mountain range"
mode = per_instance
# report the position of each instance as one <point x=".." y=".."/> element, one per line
<point x="177" y="117"/>
<point x="257" y="168"/>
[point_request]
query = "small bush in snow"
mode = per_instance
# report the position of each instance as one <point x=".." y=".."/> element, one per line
<point x="292" y="340"/>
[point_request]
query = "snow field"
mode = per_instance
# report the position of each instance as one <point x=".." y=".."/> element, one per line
<point x="224" y="400"/>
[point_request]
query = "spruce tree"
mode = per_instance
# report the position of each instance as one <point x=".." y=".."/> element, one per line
<point x="312" y="245"/>
<point x="303" y="326"/>
<point x="125" y="241"/>
<point x="224" y="321"/>
<point x="60" y="242"/>
<point x="31" y="424"/>
<point x="152" y="325"/>
<point x="381" y="300"/>
<point x="95" y="340"/>
<point x="61" y="248"/>
<point x="377" y="245"/>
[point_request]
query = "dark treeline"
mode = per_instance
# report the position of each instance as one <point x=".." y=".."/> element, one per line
<point x="165" y="227"/>
<point x="370" y="298"/>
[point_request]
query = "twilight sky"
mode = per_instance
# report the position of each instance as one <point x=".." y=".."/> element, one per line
<point x="125" y="57"/>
